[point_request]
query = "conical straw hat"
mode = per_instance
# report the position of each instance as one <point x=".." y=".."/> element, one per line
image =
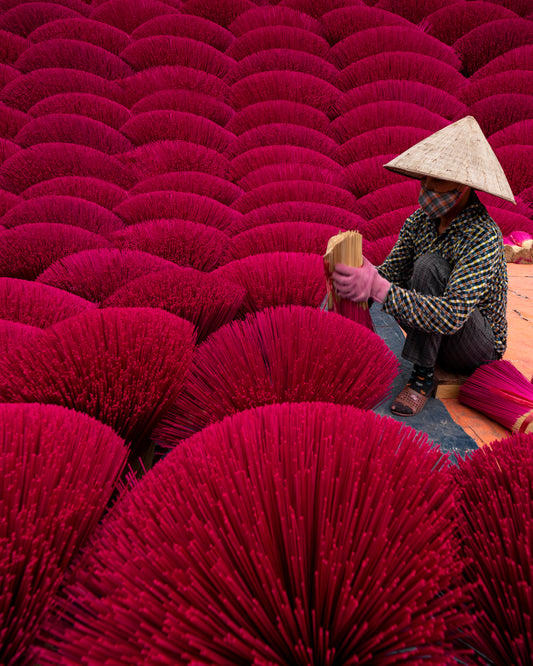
<point x="459" y="153"/>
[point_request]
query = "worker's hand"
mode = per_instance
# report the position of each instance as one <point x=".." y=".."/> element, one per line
<point x="360" y="284"/>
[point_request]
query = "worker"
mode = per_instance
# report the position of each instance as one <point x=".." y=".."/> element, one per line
<point x="445" y="279"/>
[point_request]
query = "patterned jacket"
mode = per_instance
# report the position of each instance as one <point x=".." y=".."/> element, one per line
<point x="473" y="246"/>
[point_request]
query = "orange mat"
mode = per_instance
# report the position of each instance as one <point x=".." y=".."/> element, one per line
<point x="519" y="351"/>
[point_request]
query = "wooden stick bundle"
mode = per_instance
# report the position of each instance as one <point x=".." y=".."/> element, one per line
<point x="346" y="248"/>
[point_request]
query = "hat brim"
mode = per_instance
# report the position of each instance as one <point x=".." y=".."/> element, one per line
<point x="458" y="153"/>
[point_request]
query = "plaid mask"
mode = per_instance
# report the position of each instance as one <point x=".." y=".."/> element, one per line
<point x="437" y="204"/>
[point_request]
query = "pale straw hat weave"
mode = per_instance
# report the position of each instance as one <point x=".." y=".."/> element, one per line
<point x="459" y="153"/>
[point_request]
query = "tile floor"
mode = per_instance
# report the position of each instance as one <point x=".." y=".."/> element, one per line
<point x="519" y="351"/>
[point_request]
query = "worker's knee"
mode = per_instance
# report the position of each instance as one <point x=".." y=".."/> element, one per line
<point x="430" y="274"/>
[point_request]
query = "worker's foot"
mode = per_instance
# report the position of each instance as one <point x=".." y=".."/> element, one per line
<point x="412" y="398"/>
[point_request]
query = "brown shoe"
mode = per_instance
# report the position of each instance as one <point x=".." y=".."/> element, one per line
<point x="410" y="402"/>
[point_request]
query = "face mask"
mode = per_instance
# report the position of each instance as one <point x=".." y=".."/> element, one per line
<point x="437" y="204"/>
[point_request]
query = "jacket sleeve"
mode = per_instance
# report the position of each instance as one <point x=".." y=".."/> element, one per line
<point x="398" y="266"/>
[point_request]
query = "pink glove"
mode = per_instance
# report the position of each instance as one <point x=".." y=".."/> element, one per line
<point x="360" y="284"/>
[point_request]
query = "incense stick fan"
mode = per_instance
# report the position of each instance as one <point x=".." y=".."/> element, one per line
<point x="345" y="248"/>
<point x="501" y="392"/>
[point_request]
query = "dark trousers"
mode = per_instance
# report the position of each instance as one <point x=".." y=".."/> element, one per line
<point x="463" y="351"/>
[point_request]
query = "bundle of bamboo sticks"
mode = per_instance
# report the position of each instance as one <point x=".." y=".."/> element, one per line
<point x="346" y="248"/>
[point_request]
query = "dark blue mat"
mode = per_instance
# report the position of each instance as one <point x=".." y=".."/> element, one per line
<point x="434" y="419"/>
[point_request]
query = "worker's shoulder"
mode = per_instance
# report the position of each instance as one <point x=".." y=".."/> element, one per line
<point x="479" y="222"/>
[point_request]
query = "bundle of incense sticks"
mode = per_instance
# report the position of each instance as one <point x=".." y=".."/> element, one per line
<point x="501" y="392"/>
<point x="346" y="248"/>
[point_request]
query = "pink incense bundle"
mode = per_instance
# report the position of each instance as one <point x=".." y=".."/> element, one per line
<point x="205" y="105"/>
<point x="501" y="392"/>
<point x="388" y="223"/>
<point x="496" y="531"/>
<point x="343" y="21"/>
<point x="378" y="250"/>
<point x="59" y="469"/>
<point x="296" y="190"/>
<point x="488" y="41"/>
<point x="7" y="75"/>
<point x="95" y="274"/>
<point x="273" y="37"/>
<point x="129" y="14"/>
<point x="314" y="9"/>
<point x="28" y="89"/>
<point x="183" y="242"/>
<point x="204" y="299"/>
<point x="434" y="99"/>
<point x="518" y="248"/>
<point x="297" y="211"/>
<point x="520" y="132"/>
<point x="179" y="205"/>
<point x="8" y="200"/>
<point x="67" y="210"/>
<point x="281" y="354"/>
<point x="73" y="54"/>
<point x="373" y="115"/>
<point x="223" y="12"/>
<point x="292" y="86"/>
<point x="122" y="366"/>
<point x="38" y="304"/>
<point x="85" y="30"/>
<point x="391" y="38"/>
<point x="367" y="175"/>
<point x="379" y="141"/>
<point x="412" y="10"/>
<point x="28" y="249"/>
<point x="76" y="5"/>
<point x="526" y="196"/>
<point x="346" y="248"/>
<point x="45" y="161"/>
<point x="195" y="182"/>
<point x="71" y="128"/>
<point x="255" y="158"/>
<point x="291" y="171"/>
<point x="24" y="20"/>
<point x="11" y="46"/>
<point x="388" y="198"/>
<point x="518" y="58"/>
<point x="165" y="77"/>
<point x="507" y="108"/>
<point x="13" y="333"/>
<point x="508" y="81"/>
<point x="85" y="104"/>
<point x="7" y="148"/>
<point x="186" y="25"/>
<point x="172" y="50"/>
<point x="11" y="121"/>
<point x="516" y="160"/>
<point x="401" y="65"/>
<point x="279" y="134"/>
<point x="509" y="222"/>
<point x="277" y="111"/>
<point x="276" y="278"/>
<point x="306" y="237"/>
<point x="158" y="157"/>
<point x="99" y="191"/>
<point x="265" y="15"/>
<point x="283" y="57"/>
<point x="450" y="22"/>
<point x="165" y="124"/>
<point x="286" y="534"/>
